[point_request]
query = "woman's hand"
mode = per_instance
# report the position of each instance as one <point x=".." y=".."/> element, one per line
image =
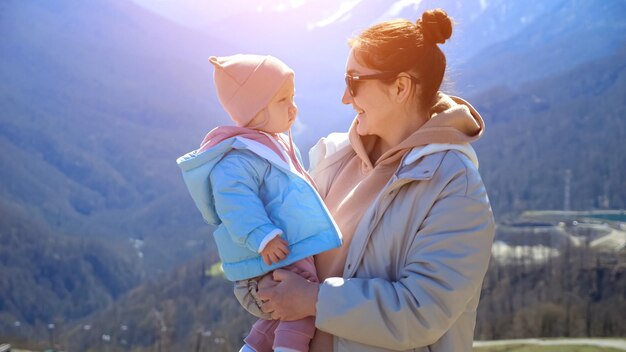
<point x="292" y="297"/>
<point x="266" y="282"/>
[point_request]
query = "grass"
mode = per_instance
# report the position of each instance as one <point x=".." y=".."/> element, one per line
<point x="216" y="270"/>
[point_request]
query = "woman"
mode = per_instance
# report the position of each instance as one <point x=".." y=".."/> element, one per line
<point x="404" y="189"/>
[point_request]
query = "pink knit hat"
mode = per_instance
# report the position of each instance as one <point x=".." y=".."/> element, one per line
<point x="246" y="84"/>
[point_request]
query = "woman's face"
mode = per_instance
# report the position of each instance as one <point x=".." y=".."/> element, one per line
<point x="371" y="101"/>
<point x="282" y="109"/>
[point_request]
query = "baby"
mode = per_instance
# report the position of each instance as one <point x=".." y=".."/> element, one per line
<point x="249" y="181"/>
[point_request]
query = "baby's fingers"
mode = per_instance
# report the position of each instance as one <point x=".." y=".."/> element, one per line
<point x="284" y="249"/>
<point x="275" y="257"/>
<point x="266" y="259"/>
<point x="281" y="255"/>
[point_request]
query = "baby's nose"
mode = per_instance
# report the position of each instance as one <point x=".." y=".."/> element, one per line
<point x="293" y="110"/>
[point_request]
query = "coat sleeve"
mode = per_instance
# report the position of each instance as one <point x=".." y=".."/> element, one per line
<point x="235" y="181"/>
<point x="446" y="264"/>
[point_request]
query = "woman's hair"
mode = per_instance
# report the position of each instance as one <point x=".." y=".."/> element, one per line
<point x="401" y="46"/>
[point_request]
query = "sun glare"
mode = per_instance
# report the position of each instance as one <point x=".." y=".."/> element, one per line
<point x="280" y="6"/>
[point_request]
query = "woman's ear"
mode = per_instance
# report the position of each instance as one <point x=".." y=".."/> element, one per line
<point x="404" y="88"/>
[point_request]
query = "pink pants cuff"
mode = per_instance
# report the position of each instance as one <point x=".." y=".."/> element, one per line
<point x="267" y="335"/>
<point x="295" y="334"/>
<point x="261" y="337"/>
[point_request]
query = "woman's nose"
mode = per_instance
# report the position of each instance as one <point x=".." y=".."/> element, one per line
<point x="347" y="97"/>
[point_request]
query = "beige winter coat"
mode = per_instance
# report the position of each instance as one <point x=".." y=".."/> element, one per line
<point x="415" y="267"/>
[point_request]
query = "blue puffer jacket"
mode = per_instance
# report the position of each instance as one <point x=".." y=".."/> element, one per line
<point x="248" y="191"/>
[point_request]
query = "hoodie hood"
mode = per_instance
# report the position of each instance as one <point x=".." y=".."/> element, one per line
<point x="221" y="133"/>
<point x="453" y="122"/>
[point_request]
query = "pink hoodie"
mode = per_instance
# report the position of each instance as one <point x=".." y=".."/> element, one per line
<point x="222" y="133"/>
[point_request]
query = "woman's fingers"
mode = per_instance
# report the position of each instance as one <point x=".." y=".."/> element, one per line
<point x="265" y="294"/>
<point x="292" y="298"/>
<point x="267" y="285"/>
<point x="266" y="282"/>
<point x="267" y="307"/>
<point x="280" y="274"/>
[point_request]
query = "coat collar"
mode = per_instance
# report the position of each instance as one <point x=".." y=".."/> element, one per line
<point x="421" y="169"/>
<point x="422" y="162"/>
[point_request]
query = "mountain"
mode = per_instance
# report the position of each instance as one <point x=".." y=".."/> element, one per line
<point x="98" y="100"/>
<point x="187" y="307"/>
<point x="536" y="133"/>
<point x="557" y="40"/>
<point x="50" y="278"/>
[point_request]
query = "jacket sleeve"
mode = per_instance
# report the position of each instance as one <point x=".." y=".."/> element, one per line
<point x="235" y="181"/>
<point x="444" y="269"/>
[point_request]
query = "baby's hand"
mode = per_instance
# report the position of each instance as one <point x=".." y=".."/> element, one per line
<point x="275" y="251"/>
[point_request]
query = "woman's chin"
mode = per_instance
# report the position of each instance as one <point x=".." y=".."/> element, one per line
<point x="361" y="129"/>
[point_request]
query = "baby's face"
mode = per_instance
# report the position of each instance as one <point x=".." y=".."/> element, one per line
<point x="282" y="109"/>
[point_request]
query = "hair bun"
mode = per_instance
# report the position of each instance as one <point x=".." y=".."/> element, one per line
<point x="436" y="26"/>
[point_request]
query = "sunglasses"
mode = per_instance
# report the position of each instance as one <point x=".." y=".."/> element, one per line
<point x="352" y="80"/>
